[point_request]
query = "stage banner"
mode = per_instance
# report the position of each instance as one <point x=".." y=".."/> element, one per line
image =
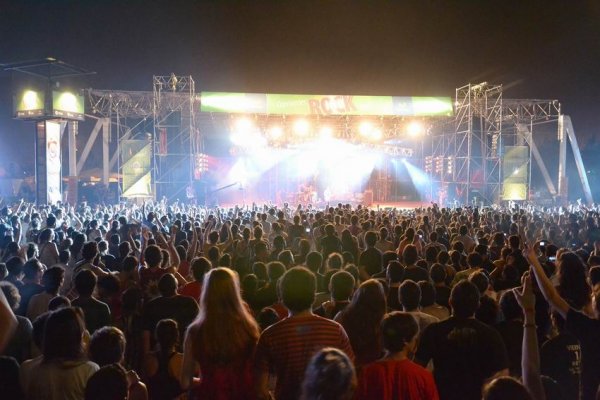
<point x="53" y="162"/>
<point x="515" y="167"/>
<point x="304" y="104"/>
<point x="136" y="159"/>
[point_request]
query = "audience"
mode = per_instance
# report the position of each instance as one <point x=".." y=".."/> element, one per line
<point x="115" y="290"/>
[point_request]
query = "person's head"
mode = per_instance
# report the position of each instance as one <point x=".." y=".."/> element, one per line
<point x="260" y="270"/>
<point x="410" y="255"/>
<point x="480" y="280"/>
<point x="400" y="332"/>
<point x="443" y="257"/>
<point x="108" y="383"/>
<point x="58" y="302"/>
<point x="464" y="299"/>
<point x="329" y="230"/>
<point x="409" y="295"/>
<point x="463" y="230"/>
<point x="85" y="283"/>
<point x="53" y="279"/>
<point x="395" y="272"/>
<point x="509" y="306"/>
<point x="572" y="281"/>
<point x="594" y="275"/>
<point x="153" y="256"/>
<point x="13" y="297"/>
<point x="335" y="261"/>
<point x="14" y="266"/>
<point x="341" y="285"/>
<point x="286" y="257"/>
<point x="437" y="273"/>
<point x="166" y="334"/>
<point x="370" y="239"/>
<point x="474" y="260"/>
<point x="89" y="251"/>
<point x="63" y="335"/>
<point x="329" y="375"/>
<point x="63" y="256"/>
<point x="275" y="270"/>
<point x="107" y="346"/>
<point x="514" y="241"/>
<point x="369" y="300"/>
<point x="427" y="293"/>
<point x="33" y="270"/>
<point x="227" y="327"/>
<point x="200" y="266"/>
<point x="124" y="249"/>
<point x="297" y="288"/>
<point x="167" y="285"/>
<point x="314" y="260"/>
<point x="505" y="388"/>
<point x="267" y="317"/>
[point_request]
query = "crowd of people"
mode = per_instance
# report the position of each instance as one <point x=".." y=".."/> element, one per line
<point x="177" y="301"/>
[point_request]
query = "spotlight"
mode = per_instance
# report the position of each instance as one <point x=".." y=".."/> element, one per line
<point x="243" y="125"/>
<point x="30" y="99"/>
<point x="275" y="132"/>
<point x="301" y="127"/>
<point x="415" y="128"/>
<point x="376" y="134"/>
<point x="365" y="129"/>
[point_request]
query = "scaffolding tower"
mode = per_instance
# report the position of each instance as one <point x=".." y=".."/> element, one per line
<point x="175" y="135"/>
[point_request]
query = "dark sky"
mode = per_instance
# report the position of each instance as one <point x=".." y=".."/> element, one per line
<point x="537" y="49"/>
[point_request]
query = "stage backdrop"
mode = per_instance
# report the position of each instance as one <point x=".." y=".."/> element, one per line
<point x="307" y="104"/>
<point x="136" y="158"/>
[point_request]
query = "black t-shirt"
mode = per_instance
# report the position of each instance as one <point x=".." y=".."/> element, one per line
<point x="416" y="274"/>
<point x="512" y="336"/>
<point x="587" y="330"/>
<point x="182" y="309"/>
<point x="560" y="359"/>
<point x="465" y="353"/>
<point x="442" y="296"/>
<point x="27" y="291"/>
<point x="330" y="244"/>
<point x="97" y="313"/>
<point x="371" y="259"/>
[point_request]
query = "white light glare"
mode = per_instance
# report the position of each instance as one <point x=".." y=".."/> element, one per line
<point x="415" y="128"/>
<point x="301" y="127"/>
<point x="275" y="132"/>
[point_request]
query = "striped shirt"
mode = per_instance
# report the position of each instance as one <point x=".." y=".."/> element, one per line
<point x="287" y="347"/>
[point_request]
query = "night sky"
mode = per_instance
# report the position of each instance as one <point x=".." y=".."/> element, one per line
<point x="537" y="49"/>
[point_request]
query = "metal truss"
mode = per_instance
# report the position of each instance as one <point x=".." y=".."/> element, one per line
<point x="175" y="134"/>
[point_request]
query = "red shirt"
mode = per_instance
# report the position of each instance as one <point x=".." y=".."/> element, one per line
<point x="393" y="379"/>
<point x="193" y="290"/>
<point x="287" y="347"/>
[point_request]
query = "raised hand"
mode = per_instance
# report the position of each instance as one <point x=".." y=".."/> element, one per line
<point x="525" y="296"/>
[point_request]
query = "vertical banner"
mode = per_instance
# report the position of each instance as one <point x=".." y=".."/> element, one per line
<point x="162" y="137"/>
<point x="53" y="161"/>
<point x="136" y="156"/>
<point x="515" y="167"/>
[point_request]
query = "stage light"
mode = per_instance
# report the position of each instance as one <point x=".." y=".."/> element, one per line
<point x="376" y="134"/>
<point x="415" y="128"/>
<point x="243" y="125"/>
<point x="301" y="127"/>
<point x="365" y="129"/>
<point x="326" y="132"/>
<point x="30" y="99"/>
<point x="275" y="132"/>
<point x="516" y="171"/>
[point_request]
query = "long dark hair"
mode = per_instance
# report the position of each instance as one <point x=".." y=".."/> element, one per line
<point x="362" y="318"/>
<point x="572" y="282"/>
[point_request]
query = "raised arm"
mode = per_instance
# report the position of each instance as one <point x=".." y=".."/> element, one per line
<point x="530" y="358"/>
<point x="8" y="321"/>
<point x="548" y="290"/>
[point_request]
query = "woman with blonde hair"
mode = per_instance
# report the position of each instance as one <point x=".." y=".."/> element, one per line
<point x="220" y="342"/>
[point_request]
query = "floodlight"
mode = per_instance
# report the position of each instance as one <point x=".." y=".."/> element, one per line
<point x="415" y="128"/>
<point x="30" y="99"/>
<point x="301" y="127"/>
<point x="376" y="134"/>
<point x="365" y="129"/>
<point x="275" y="132"/>
<point x="243" y="125"/>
